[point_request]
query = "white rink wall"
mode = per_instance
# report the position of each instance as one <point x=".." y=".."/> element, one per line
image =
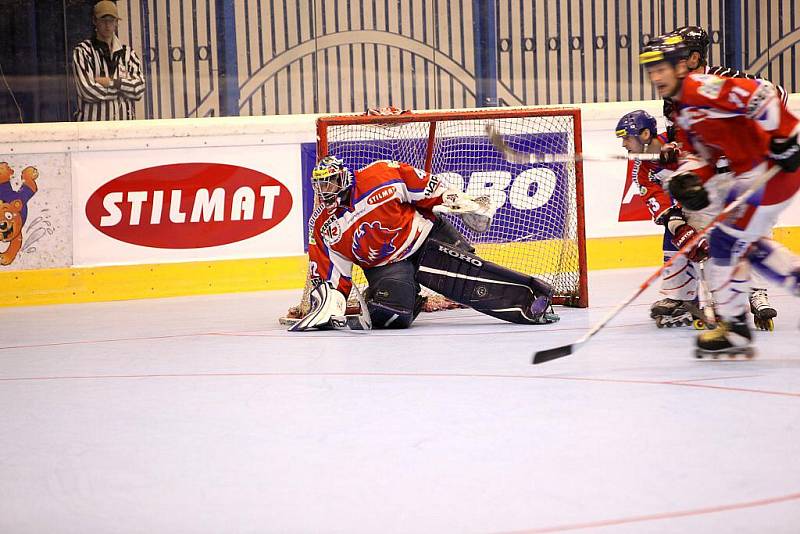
<point x="77" y="159"/>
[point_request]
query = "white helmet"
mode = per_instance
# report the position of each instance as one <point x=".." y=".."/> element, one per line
<point x="330" y="179"/>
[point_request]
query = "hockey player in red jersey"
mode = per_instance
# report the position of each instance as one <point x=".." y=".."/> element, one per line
<point x="697" y="42"/>
<point x="744" y="121"/>
<point x="384" y="219"/>
<point x="679" y="282"/>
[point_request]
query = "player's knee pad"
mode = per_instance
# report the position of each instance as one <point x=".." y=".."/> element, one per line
<point x="679" y="281"/>
<point x="385" y="316"/>
<point x="482" y="285"/>
<point x="392" y="297"/>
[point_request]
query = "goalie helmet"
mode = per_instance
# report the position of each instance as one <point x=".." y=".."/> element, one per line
<point x="632" y="124"/>
<point x="696" y="39"/>
<point x="671" y="48"/>
<point x="331" y="179"/>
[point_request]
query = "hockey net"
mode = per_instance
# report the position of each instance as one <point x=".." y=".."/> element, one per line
<point x="538" y="228"/>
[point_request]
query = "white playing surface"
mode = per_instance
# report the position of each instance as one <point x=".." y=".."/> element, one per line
<point x="203" y="415"/>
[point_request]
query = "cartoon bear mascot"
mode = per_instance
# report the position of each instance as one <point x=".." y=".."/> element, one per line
<point x="14" y="210"/>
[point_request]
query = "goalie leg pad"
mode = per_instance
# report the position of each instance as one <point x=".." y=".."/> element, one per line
<point x="326" y="302"/>
<point x="393" y="295"/>
<point x="444" y="231"/>
<point x="484" y="286"/>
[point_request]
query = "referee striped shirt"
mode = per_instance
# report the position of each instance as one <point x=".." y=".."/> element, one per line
<point x="92" y="58"/>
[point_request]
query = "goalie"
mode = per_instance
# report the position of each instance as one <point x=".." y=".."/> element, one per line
<point x="385" y="219"/>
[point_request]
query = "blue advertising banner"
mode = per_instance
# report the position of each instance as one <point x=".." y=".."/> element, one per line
<point x="533" y="200"/>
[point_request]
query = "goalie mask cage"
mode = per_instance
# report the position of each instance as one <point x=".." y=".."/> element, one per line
<point x="539" y="225"/>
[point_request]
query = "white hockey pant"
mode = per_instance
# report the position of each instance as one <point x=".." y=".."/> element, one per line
<point x="679" y="281"/>
<point x="732" y="242"/>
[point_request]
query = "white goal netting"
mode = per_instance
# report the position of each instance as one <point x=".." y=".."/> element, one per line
<point x="538" y="227"/>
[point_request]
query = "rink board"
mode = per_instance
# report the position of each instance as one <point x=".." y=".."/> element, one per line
<point x="95" y="284"/>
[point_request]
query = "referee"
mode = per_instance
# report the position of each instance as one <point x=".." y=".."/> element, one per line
<point x="108" y="74"/>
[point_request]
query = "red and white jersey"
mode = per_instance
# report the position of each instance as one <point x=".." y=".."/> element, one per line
<point x="387" y="220"/>
<point x="735" y="118"/>
<point x="649" y="178"/>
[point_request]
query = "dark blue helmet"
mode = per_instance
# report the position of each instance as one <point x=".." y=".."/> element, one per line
<point x="634" y="122"/>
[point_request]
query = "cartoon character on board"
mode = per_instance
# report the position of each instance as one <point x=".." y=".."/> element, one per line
<point x="14" y="210"/>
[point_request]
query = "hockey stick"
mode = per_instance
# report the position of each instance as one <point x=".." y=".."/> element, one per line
<point x="565" y="350"/>
<point x="522" y="158"/>
<point x="707" y="298"/>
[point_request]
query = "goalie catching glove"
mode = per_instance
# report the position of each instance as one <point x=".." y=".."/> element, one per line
<point x="326" y="302"/>
<point x="476" y="212"/>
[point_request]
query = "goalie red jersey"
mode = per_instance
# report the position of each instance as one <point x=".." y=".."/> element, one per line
<point x="387" y="218"/>
<point x="734" y="118"/>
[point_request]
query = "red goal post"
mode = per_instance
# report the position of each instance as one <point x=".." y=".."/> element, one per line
<point x="539" y="226"/>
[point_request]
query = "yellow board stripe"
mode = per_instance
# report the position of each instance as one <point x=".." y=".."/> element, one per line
<point x="123" y="282"/>
<point x="93" y="284"/>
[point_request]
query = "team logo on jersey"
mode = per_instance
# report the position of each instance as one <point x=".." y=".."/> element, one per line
<point x="381" y="195"/>
<point x="373" y="242"/>
<point x="711" y="86"/>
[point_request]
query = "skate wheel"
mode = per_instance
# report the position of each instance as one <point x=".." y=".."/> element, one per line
<point x="766" y="325"/>
<point x="659" y="322"/>
<point x="698" y="324"/>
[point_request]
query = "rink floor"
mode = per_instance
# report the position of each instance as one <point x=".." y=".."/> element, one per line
<point x="202" y="415"/>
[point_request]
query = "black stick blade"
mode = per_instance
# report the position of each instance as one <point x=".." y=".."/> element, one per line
<point x="552" y="354"/>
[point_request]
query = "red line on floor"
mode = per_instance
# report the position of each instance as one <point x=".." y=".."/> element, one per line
<point x="664" y="515"/>
<point x="409" y="375"/>
<point x="281" y="333"/>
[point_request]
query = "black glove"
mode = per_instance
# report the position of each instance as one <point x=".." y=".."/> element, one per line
<point x="669" y="154"/>
<point x="785" y="153"/>
<point x="687" y="189"/>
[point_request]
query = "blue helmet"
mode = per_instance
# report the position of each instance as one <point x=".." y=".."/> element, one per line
<point x="634" y="122"/>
